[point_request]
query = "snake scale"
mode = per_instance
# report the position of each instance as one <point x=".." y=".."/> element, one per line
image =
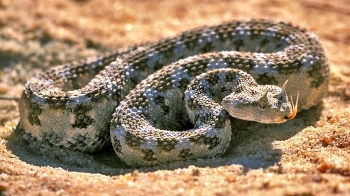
<point x="172" y="99"/>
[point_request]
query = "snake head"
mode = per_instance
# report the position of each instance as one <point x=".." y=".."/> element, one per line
<point x="262" y="103"/>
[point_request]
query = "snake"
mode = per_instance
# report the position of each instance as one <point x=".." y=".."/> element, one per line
<point x="173" y="99"/>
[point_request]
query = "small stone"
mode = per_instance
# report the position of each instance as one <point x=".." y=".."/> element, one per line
<point x="4" y="88"/>
<point x="3" y="186"/>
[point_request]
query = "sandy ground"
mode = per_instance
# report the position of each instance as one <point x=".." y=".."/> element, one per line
<point x="308" y="155"/>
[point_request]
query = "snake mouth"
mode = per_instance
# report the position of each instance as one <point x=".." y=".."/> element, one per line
<point x="294" y="107"/>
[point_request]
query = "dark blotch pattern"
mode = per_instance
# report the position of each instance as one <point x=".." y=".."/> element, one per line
<point x="315" y="73"/>
<point x="116" y="145"/>
<point x="82" y="118"/>
<point x="167" y="145"/>
<point x="148" y="155"/>
<point x="185" y="153"/>
<point x="266" y="79"/>
<point x="211" y="142"/>
<point x="33" y="114"/>
<point x="133" y="141"/>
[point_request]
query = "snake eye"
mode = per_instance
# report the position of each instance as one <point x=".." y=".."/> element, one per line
<point x="262" y="106"/>
<point x="280" y="97"/>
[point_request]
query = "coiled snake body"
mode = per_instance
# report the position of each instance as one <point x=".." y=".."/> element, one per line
<point x="171" y="100"/>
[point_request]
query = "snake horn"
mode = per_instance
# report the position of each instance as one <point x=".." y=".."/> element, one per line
<point x="284" y="86"/>
<point x="265" y="95"/>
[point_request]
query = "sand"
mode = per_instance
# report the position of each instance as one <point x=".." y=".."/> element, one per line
<point x="308" y="155"/>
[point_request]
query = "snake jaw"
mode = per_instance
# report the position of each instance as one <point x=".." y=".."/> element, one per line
<point x="294" y="107"/>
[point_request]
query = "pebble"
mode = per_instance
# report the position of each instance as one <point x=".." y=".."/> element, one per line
<point x="4" y="88"/>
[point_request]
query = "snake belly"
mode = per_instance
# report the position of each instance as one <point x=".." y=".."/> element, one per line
<point x="72" y="105"/>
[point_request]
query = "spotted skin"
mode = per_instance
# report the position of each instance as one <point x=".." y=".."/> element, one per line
<point x="146" y="98"/>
